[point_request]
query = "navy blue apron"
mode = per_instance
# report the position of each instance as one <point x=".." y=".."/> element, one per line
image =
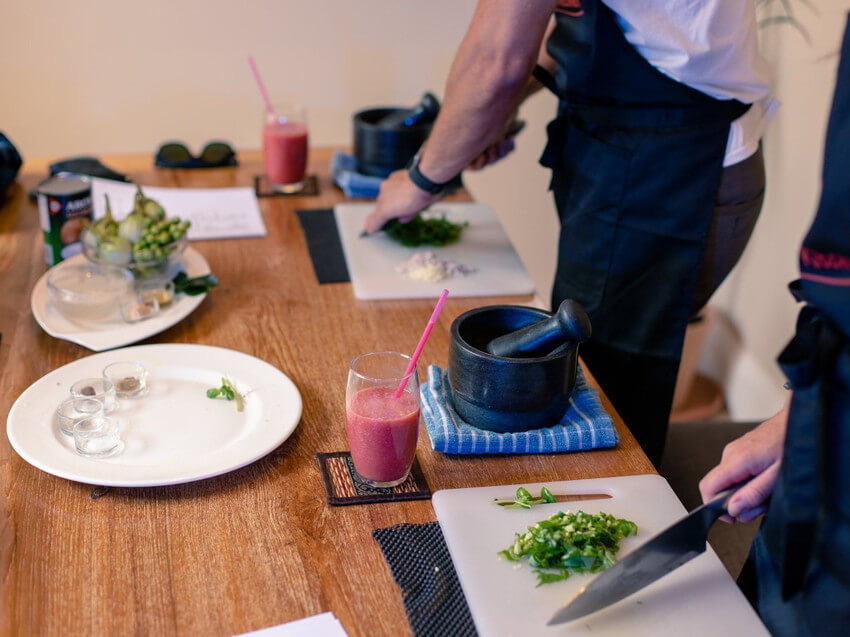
<point x="636" y="159"/>
<point x="802" y="553"/>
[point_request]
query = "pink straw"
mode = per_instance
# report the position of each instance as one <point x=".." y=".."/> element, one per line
<point x="261" y="86"/>
<point x="412" y="365"/>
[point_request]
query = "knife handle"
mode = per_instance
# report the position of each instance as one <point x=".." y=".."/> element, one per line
<point x="716" y="507"/>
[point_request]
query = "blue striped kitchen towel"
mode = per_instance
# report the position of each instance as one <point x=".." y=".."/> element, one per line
<point x="355" y="185"/>
<point x="585" y="426"/>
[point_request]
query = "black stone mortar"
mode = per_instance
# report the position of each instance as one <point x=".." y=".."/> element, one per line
<point x="507" y="394"/>
<point x="380" y="150"/>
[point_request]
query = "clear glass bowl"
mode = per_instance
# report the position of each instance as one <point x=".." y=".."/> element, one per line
<point x="140" y="269"/>
<point x="87" y="291"/>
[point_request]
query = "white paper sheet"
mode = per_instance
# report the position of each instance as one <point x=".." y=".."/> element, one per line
<point x="215" y="213"/>
<point x="324" y="625"/>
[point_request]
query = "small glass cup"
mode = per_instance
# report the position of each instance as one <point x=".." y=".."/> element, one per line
<point x="160" y="289"/>
<point x="285" y="147"/>
<point x="98" y="436"/>
<point x="72" y="410"/>
<point x="135" y="307"/>
<point x="382" y="429"/>
<point x="100" y="389"/>
<point x="129" y="379"/>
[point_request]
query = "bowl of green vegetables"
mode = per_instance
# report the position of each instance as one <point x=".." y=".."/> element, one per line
<point x="146" y="241"/>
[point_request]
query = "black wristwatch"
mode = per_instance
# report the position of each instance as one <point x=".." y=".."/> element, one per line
<point x="421" y="181"/>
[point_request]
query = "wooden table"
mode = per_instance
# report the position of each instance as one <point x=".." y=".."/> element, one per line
<point x="258" y="546"/>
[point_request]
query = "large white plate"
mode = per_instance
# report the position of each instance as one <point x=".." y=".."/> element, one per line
<point x="113" y="331"/>
<point x="173" y="434"/>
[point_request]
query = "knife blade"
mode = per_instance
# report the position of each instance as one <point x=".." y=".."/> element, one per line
<point x="663" y="554"/>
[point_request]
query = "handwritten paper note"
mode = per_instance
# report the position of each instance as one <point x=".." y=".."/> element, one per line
<point x="215" y="213"/>
<point x="324" y="625"/>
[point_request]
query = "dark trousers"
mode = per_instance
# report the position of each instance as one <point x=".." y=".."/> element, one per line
<point x="641" y="387"/>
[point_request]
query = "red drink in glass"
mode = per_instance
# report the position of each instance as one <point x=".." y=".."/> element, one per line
<point x="285" y="146"/>
<point x="382" y="433"/>
<point x="285" y="153"/>
<point x="382" y="429"/>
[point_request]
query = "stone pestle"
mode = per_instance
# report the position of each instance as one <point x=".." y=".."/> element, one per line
<point x="425" y="111"/>
<point x="570" y="324"/>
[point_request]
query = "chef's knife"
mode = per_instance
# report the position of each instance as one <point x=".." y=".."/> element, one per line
<point x="664" y="553"/>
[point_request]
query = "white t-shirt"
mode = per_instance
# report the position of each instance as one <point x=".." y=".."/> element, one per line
<point x="711" y="46"/>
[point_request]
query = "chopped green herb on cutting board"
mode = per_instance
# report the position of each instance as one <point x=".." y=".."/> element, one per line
<point x="420" y="231"/>
<point x="567" y="543"/>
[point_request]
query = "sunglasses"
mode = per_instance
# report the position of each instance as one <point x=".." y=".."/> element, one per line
<point x="177" y="155"/>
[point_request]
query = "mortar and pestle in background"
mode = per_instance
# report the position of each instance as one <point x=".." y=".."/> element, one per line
<point x="513" y="368"/>
<point x="385" y="139"/>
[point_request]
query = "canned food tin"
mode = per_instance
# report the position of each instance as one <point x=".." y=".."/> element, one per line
<point x="64" y="201"/>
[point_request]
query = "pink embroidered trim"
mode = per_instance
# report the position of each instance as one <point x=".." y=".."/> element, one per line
<point x="822" y="261"/>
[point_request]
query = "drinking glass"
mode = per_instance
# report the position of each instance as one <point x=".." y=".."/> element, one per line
<point x="382" y="429"/>
<point x="285" y="147"/>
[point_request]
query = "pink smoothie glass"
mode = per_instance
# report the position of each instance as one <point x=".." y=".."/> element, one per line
<point x="285" y="147"/>
<point x="382" y="430"/>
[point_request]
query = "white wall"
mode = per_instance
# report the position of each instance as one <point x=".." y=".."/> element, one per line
<point x="760" y="313"/>
<point x="99" y="76"/>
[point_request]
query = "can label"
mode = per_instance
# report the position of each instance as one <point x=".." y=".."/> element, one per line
<point x="63" y="204"/>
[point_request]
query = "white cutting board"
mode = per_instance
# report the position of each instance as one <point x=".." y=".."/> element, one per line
<point x="483" y="245"/>
<point x="700" y="598"/>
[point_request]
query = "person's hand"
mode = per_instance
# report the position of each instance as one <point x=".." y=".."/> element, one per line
<point x="493" y="153"/>
<point x="501" y="147"/>
<point x="399" y="198"/>
<point x="756" y="455"/>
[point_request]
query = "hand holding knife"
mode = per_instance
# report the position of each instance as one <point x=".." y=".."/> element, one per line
<point x="664" y="553"/>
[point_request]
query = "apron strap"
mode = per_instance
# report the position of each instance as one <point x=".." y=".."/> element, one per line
<point x="636" y="116"/>
<point x="655" y="117"/>
<point x="545" y="78"/>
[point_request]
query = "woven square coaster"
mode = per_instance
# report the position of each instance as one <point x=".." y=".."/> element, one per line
<point x="343" y="486"/>
<point x="263" y="188"/>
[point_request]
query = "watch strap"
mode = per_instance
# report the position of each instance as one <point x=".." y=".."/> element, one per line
<point x="421" y="181"/>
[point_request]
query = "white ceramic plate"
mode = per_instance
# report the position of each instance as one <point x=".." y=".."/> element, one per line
<point x="113" y="331"/>
<point x="174" y="433"/>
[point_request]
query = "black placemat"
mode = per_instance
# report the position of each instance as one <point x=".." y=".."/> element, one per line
<point x="420" y="563"/>
<point x="322" y="235"/>
<point x="343" y="486"/>
<point x="263" y="187"/>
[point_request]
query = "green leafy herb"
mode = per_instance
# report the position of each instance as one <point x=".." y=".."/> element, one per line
<point x="228" y="392"/>
<point x="567" y="543"/>
<point x="524" y="500"/>
<point x="420" y="231"/>
<point x="195" y="286"/>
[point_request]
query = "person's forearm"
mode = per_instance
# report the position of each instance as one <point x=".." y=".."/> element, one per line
<point x="543" y="59"/>
<point x="487" y="81"/>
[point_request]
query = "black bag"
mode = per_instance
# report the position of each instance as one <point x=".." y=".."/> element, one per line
<point x="10" y="163"/>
